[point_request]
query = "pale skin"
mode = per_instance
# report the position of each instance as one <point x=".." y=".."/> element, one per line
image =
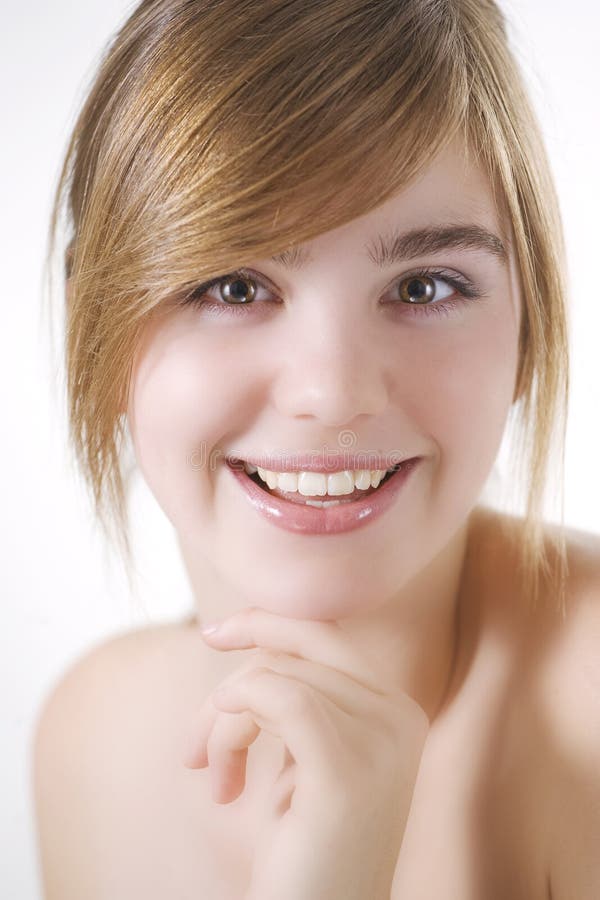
<point x="437" y="386"/>
<point x="368" y="675"/>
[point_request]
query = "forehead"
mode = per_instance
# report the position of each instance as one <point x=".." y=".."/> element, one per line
<point x="453" y="194"/>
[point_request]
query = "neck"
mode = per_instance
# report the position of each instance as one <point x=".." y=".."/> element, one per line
<point x="413" y="638"/>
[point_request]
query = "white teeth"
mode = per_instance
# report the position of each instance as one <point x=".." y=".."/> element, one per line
<point x="362" y="479"/>
<point x="269" y="477"/>
<point x="308" y="483"/>
<point x="376" y="477"/>
<point x="287" y="481"/>
<point x="311" y="484"/>
<point x="340" y="483"/>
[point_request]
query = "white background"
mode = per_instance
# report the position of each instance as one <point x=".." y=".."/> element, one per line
<point x="61" y="591"/>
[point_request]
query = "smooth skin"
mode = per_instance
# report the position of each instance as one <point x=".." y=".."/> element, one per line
<point x="353" y="754"/>
<point x="506" y="798"/>
<point x="328" y="352"/>
<point x="423" y="693"/>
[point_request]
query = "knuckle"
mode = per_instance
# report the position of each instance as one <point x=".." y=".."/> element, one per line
<point x="300" y="700"/>
<point x="414" y="717"/>
<point x="258" y="672"/>
<point x="251" y="616"/>
<point x="260" y="658"/>
<point x="388" y="730"/>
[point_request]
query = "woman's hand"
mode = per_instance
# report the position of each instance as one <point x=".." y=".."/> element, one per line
<point x="340" y="806"/>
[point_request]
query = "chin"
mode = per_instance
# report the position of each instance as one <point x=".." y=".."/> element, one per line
<point x="320" y="600"/>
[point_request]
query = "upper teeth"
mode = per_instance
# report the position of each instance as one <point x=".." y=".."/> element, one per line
<point x="316" y="483"/>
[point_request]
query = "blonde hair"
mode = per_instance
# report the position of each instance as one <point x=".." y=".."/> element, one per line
<point x="220" y="131"/>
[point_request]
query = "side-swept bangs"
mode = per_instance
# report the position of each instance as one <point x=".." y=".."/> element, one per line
<point x="220" y="131"/>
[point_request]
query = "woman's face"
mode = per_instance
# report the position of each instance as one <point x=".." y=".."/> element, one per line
<point x="328" y="357"/>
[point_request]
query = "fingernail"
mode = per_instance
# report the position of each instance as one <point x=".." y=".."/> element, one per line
<point x="209" y="627"/>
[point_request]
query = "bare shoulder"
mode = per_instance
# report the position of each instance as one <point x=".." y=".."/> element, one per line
<point x="570" y="703"/>
<point x="551" y="714"/>
<point x="110" y="787"/>
<point x="556" y="653"/>
<point x="554" y="719"/>
<point x="118" y="677"/>
<point x="572" y="675"/>
<point x="568" y="658"/>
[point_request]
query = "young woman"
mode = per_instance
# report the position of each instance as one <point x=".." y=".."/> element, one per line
<point x="314" y="271"/>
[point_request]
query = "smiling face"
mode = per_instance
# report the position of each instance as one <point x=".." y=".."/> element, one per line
<point x="328" y="355"/>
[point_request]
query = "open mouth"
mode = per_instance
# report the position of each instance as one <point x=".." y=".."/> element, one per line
<point x="346" y="500"/>
<point x="320" y="500"/>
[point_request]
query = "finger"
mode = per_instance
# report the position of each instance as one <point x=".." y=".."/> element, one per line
<point x="195" y="755"/>
<point x="291" y="710"/>
<point x="374" y="712"/>
<point x="348" y="695"/>
<point x="322" y="642"/>
<point x="390" y="716"/>
<point x="227" y="750"/>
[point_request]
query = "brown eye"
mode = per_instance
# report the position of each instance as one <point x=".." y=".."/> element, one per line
<point x="237" y="289"/>
<point x="417" y="289"/>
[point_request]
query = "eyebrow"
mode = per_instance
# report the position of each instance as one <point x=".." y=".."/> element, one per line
<point x="400" y="246"/>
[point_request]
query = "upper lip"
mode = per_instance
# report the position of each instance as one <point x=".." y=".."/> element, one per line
<point x="324" y="462"/>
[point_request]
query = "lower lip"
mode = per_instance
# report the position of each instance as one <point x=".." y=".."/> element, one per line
<point x="327" y="520"/>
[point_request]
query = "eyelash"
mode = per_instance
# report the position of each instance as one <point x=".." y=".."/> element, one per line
<point x="467" y="290"/>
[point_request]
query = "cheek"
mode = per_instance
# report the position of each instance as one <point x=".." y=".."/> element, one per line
<point x="186" y="395"/>
<point x="461" y="394"/>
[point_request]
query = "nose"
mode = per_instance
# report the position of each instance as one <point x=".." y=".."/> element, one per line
<point x="332" y="371"/>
